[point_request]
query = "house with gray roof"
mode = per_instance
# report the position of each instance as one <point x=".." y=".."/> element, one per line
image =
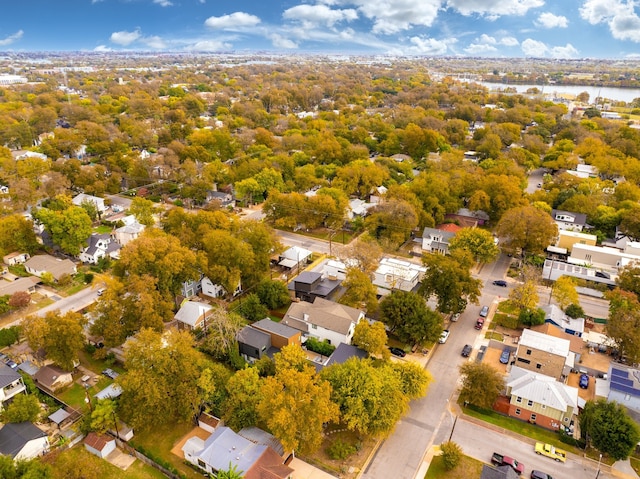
<point x="130" y="231"/>
<point x="540" y="399"/>
<point x="100" y="246"/>
<point x="193" y="315"/>
<point x="225" y="448"/>
<point x="22" y="441"/>
<point x="324" y="320"/>
<point x="568" y="220"/>
<point x="624" y="386"/>
<point x="436" y="240"/>
<point x="499" y="472"/>
<point x="254" y="344"/>
<point x="19" y="285"/>
<point x="11" y="384"/>
<point x="309" y="285"/>
<point x="84" y="198"/>
<point x="43" y="263"/>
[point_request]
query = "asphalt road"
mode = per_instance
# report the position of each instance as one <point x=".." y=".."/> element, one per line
<point x="312" y="244"/>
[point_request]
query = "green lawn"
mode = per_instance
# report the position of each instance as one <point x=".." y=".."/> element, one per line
<point x="103" y="229"/>
<point x="467" y="469"/>
<point x="159" y="440"/>
<point x="100" y="468"/>
<point x="75" y="394"/>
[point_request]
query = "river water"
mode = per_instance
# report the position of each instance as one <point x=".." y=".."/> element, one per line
<point x="610" y="93"/>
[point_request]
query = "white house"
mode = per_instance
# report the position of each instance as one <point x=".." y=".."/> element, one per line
<point x="193" y="315"/>
<point x="15" y="258"/>
<point x="323" y="319"/>
<point x="130" y="231"/>
<point x="23" y="441"/>
<point x="82" y="198"/>
<point x="44" y="263"/>
<point x="207" y="287"/>
<point x="99" y="246"/>
<point x="11" y="384"/>
<point x="397" y="274"/>
<point x="100" y="445"/>
<point x="567" y="220"/>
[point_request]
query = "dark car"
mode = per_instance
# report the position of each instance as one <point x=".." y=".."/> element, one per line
<point x="504" y="357"/>
<point x="11" y="364"/>
<point x="466" y="351"/>
<point x="584" y="381"/>
<point x="540" y="475"/>
<point x="500" y="282"/>
<point x="397" y="352"/>
<point x="110" y="373"/>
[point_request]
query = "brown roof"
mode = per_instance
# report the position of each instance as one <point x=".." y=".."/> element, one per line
<point x="327" y="314"/>
<point x="47" y="375"/>
<point x="97" y="441"/>
<point x="450" y="227"/>
<point x="209" y="420"/>
<point x="268" y="466"/>
<point x="576" y="342"/>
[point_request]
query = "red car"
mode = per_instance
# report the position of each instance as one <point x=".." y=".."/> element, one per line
<point x="479" y="323"/>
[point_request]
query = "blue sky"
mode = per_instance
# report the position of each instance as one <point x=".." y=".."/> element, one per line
<point x="486" y="28"/>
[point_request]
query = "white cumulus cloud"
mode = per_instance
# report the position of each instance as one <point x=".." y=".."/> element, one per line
<point x="208" y="46"/>
<point x="427" y="46"/>
<point x="125" y="38"/>
<point x="163" y="3"/>
<point x="102" y="48"/>
<point x="493" y="9"/>
<point x="279" y="41"/>
<point x="568" y="51"/>
<point x="549" y="20"/>
<point x="319" y="15"/>
<point x="233" y="21"/>
<point x="619" y="15"/>
<point x="534" y="48"/>
<point x="509" y="42"/>
<point x="154" y="42"/>
<point x="11" y="38"/>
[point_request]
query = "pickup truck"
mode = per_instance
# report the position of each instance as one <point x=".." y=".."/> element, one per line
<point x="500" y="460"/>
<point x="550" y="451"/>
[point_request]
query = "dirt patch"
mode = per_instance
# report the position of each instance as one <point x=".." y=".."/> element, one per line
<point x="586" y="394"/>
<point x="195" y="432"/>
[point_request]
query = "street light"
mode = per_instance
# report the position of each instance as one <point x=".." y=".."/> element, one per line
<point x="599" y="460"/>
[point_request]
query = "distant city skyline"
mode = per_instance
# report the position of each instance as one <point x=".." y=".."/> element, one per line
<point x="606" y="29"/>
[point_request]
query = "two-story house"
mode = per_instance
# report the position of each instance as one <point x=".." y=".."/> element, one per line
<point x="309" y="285"/>
<point x="99" y="246"/>
<point x="10" y="384"/>
<point x="436" y="240"/>
<point x="324" y="320"/>
<point x="568" y="220"/>
<point x="84" y="198"/>
<point x="397" y="274"/>
<point x="544" y="354"/>
<point x="265" y="337"/>
<point x="540" y="399"/>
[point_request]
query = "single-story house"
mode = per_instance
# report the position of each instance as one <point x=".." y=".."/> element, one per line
<point x="23" y="441"/>
<point x="499" y="472"/>
<point x="225" y="200"/>
<point x="324" y="320"/>
<point x="100" y="246"/>
<point x="294" y="257"/>
<point x="394" y="273"/>
<point x="15" y="258"/>
<point x="10" y="384"/>
<point x="21" y="284"/>
<point x="193" y="315"/>
<point x="99" y="444"/>
<point x="44" y="263"/>
<point x="541" y="399"/>
<point x="225" y="448"/>
<point x="557" y="317"/>
<point x="84" y="198"/>
<point x="51" y="378"/>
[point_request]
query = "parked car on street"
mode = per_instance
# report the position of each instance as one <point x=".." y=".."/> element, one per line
<point x="500" y="282"/>
<point x="559" y="455"/>
<point x="484" y="312"/>
<point x="466" y="351"/>
<point x="540" y="475"/>
<point x="500" y="460"/>
<point x="444" y="336"/>
<point x="479" y="323"/>
<point x="397" y="352"/>
<point x="455" y="317"/>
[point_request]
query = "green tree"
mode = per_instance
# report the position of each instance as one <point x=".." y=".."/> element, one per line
<point x="481" y="384"/>
<point x="574" y="311"/>
<point x="449" y="278"/>
<point x="451" y="455"/>
<point x="143" y="210"/>
<point x="243" y="395"/>
<point x="414" y="378"/>
<point x="24" y="407"/>
<point x="294" y="406"/>
<point x="370" y="399"/>
<point x="408" y="316"/>
<point x="360" y="291"/>
<point x="531" y="317"/>
<point x="252" y="309"/>
<point x="16" y="234"/>
<point x="608" y="427"/>
<point x="372" y="338"/>
<point x="103" y="416"/>
<point x="392" y="222"/>
<point x="480" y="243"/>
<point x="564" y="292"/>
<point x="623" y="325"/>
<point x="222" y="330"/>
<point x="527" y="228"/>
<point x="273" y="294"/>
<point x="69" y="228"/>
<point x="162" y="375"/>
<point x="629" y="279"/>
<point x="525" y="295"/>
<point x="231" y="473"/>
<point x="60" y="335"/>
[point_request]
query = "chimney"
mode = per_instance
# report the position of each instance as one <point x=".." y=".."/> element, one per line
<point x="305" y="317"/>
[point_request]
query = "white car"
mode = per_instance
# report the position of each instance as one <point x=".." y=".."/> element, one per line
<point x="444" y="336"/>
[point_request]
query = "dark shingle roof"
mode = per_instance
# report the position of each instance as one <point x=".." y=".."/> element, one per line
<point x="14" y="436"/>
<point x="8" y="375"/>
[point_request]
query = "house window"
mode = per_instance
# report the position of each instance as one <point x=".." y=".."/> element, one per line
<point x="566" y="419"/>
<point x="517" y="411"/>
<point x="627" y="397"/>
<point x="534" y="417"/>
<point x="525" y="361"/>
<point x="538" y="365"/>
<point x="529" y="403"/>
<point x="587" y="257"/>
<point x="528" y="352"/>
<point x="314" y="326"/>
<point x="544" y="406"/>
<point x="201" y="464"/>
<point x="518" y="399"/>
